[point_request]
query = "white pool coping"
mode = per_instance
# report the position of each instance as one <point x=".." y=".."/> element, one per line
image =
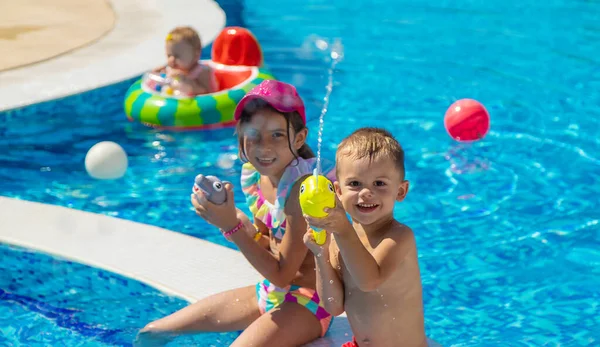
<point x="133" y="46"/>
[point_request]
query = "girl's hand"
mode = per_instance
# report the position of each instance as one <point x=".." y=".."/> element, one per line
<point x="222" y="216"/>
<point x="336" y="220"/>
<point x="318" y="250"/>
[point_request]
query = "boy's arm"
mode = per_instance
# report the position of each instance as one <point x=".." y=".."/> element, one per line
<point x="329" y="285"/>
<point x="368" y="270"/>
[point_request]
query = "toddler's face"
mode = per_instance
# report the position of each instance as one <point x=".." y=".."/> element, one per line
<point x="181" y="55"/>
<point x="368" y="189"/>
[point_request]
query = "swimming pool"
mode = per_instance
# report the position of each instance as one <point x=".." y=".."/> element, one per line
<point x="507" y="228"/>
<point x="46" y="301"/>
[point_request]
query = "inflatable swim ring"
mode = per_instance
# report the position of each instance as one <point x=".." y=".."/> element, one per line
<point x="237" y="62"/>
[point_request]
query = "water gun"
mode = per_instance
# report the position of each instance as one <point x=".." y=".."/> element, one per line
<point x="212" y="187"/>
<point x="214" y="190"/>
<point x="316" y="193"/>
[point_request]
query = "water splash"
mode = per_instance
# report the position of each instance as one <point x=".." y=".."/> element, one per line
<point x="336" y="53"/>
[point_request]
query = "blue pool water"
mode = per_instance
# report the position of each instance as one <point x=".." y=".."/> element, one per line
<point x="46" y="301"/>
<point x="507" y="228"/>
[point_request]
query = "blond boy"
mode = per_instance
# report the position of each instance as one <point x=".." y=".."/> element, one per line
<point x="369" y="267"/>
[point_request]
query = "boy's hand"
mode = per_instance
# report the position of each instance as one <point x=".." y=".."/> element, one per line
<point x="318" y="250"/>
<point x="336" y="221"/>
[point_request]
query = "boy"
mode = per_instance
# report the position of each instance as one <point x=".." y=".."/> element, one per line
<point x="369" y="267"/>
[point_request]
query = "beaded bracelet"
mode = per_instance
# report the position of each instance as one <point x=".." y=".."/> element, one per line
<point x="234" y="230"/>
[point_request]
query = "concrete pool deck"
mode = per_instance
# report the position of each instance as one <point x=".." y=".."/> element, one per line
<point x="36" y="30"/>
<point x="135" y="44"/>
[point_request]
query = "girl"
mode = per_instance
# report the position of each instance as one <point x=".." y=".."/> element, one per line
<point x="284" y="307"/>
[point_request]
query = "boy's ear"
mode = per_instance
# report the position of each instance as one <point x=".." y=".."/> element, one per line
<point x="402" y="190"/>
<point x="338" y="190"/>
<point x="300" y="138"/>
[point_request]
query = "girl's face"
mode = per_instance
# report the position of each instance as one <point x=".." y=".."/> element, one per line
<point x="267" y="144"/>
<point x="181" y="55"/>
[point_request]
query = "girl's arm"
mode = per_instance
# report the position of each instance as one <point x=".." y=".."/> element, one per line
<point x="264" y="240"/>
<point x="292" y="250"/>
<point x="251" y="228"/>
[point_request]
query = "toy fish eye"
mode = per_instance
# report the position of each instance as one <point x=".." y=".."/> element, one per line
<point x="330" y="187"/>
<point x="302" y="188"/>
<point x="218" y="186"/>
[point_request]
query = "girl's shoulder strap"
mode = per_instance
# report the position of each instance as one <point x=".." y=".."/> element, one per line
<point x="249" y="179"/>
<point x="294" y="172"/>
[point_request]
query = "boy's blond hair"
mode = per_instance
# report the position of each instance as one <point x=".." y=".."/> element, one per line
<point x="187" y="34"/>
<point x="372" y="143"/>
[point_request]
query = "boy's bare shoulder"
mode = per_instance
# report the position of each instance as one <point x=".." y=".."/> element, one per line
<point x="399" y="232"/>
<point x="397" y="242"/>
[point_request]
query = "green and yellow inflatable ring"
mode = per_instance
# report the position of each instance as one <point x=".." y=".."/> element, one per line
<point x="149" y="107"/>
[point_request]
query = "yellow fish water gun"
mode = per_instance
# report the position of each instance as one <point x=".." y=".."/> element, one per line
<point x="316" y="193"/>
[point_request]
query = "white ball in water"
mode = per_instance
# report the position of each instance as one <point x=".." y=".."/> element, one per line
<point x="106" y="160"/>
